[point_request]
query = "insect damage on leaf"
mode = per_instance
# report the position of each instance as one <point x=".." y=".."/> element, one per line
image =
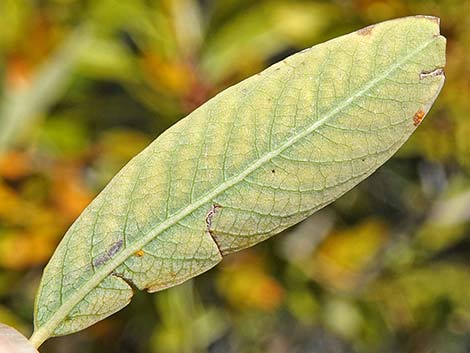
<point x="418" y="117"/>
<point x="366" y="30"/>
<point x="254" y="160"/>
<point x="436" y="72"/>
<point x="105" y="257"/>
<point x="209" y="216"/>
<point x="127" y="280"/>
<point x="434" y="19"/>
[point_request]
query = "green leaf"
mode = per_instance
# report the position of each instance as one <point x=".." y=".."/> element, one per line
<point x="256" y="159"/>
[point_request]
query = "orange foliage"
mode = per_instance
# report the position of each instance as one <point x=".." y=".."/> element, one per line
<point x="23" y="250"/>
<point x="69" y="192"/>
<point x="246" y="284"/>
<point x="14" y="165"/>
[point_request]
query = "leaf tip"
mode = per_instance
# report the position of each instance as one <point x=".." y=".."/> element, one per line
<point x="435" y="20"/>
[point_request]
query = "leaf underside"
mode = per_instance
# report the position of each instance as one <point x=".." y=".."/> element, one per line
<point x="254" y="160"/>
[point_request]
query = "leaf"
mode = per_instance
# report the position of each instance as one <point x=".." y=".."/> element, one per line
<point x="256" y="159"/>
<point x="11" y="341"/>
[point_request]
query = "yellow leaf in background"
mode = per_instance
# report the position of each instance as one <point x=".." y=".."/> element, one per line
<point x="342" y="260"/>
<point x="23" y="250"/>
<point x="246" y="284"/>
<point x="173" y="76"/>
<point x="298" y="21"/>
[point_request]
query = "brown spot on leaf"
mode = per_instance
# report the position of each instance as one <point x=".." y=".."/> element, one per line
<point x="429" y="18"/>
<point x="418" y="117"/>
<point x="366" y="30"/>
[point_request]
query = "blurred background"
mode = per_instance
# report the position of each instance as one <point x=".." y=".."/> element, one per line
<point x="85" y="85"/>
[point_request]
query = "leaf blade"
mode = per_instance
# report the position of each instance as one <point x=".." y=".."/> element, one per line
<point x="210" y="185"/>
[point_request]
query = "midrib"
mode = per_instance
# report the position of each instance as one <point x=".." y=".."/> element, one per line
<point x="61" y="313"/>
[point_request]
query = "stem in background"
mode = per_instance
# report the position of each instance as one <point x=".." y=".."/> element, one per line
<point x="20" y="108"/>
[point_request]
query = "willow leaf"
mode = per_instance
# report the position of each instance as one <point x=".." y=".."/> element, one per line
<point x="254" y="160"/>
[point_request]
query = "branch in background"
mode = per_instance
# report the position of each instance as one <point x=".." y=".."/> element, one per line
<point x="19" y="109"/>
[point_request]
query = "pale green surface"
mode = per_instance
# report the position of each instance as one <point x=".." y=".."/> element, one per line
<point x="268" y="152"/>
